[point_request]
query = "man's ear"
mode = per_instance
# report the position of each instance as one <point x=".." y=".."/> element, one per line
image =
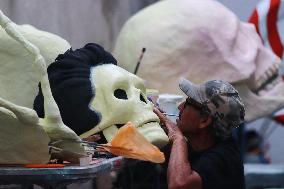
<point x="205" y="121"/>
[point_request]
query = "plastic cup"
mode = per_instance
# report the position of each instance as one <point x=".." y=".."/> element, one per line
<point x="169" y="103"/>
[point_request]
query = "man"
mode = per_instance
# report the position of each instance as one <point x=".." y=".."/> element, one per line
<point x="203" y="152"/>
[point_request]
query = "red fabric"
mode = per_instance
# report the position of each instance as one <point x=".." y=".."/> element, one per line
<point x="273" y="35"/>
<point x="254" y="20"/>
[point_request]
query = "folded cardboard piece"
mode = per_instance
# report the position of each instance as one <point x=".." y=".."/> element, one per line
<point x="128" y="142"/>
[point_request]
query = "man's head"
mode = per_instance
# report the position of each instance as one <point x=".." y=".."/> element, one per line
<point x="217" y="100"/>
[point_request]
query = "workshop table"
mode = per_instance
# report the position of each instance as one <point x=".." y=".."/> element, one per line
<point x="51" y="178"/>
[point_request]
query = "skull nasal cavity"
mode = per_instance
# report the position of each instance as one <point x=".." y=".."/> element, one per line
<point x="120" y="94"/>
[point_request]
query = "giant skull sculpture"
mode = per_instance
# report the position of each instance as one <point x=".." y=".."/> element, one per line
<point x="201" y="40"/>
<point x="16" y="63"/>
<point x="24" y="137"/>
<point x="94" y="95"/>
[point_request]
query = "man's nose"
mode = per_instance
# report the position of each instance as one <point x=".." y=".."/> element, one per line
<point x="180" y="107"/>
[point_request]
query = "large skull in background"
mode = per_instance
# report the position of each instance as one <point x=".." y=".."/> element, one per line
<point x="24" y="138"/>
<point x="201" y="40"/>
<point x="94" y="95"/>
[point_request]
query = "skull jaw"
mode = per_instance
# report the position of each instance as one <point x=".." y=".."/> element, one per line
<point x="258" y="106"/>
<point x="154" y="134"/>
<point x="151" y="131"/>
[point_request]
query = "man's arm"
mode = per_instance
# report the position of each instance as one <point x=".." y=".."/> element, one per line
<point x="180" y="174"/>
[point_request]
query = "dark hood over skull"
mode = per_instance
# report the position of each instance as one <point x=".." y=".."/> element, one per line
<point x="71" y="86"/>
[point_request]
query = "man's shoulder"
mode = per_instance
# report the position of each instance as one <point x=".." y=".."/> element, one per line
<point x="225" y="146"/>
<point x="223" y="155"/>
<point x="221" y="166"/>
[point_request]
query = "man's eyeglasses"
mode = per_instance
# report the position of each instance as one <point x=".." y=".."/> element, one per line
<point x="193" y="103"/>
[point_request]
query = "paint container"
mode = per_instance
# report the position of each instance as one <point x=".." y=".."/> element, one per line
<point x="84" y="161"/>
<point x="169" y="103"/>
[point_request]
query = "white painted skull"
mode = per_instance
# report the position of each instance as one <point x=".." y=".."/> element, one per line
<point x="120" y="97"/>
<point x="201" y="40"/>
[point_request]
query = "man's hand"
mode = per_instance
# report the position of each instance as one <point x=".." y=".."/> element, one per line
<point x="171" y="128"/>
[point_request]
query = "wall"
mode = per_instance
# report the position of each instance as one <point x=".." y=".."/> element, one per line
<point x="79" y="22"/>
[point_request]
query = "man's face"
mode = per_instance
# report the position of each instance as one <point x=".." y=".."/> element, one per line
<point x="189" y="118"/>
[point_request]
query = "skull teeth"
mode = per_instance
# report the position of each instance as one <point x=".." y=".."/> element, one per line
<point x="269" y="79"/>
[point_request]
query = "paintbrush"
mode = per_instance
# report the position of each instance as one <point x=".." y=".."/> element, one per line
<point x="170" y="114"/>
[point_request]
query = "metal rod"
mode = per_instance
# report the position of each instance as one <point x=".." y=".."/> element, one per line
<point x="139" y="61"/>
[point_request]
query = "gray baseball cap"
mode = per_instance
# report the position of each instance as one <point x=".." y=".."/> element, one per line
<point x="220" y="98"/>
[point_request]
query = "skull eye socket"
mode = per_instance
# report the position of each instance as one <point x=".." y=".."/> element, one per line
<point x="142" y="98"/>
<point x="120" y="94"/>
